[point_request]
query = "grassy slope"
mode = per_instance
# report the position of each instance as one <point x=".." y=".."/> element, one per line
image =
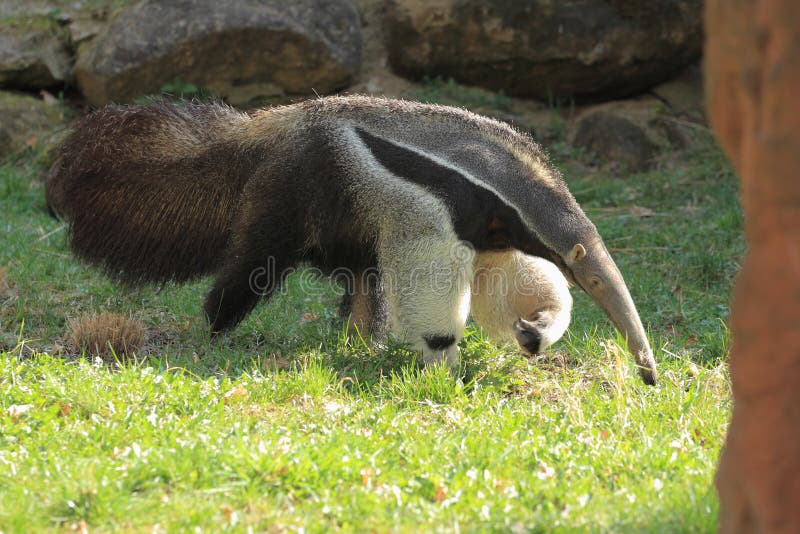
<point x="288" y="424"/>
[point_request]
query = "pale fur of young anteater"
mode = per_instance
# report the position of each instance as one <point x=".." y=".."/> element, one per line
<point x="530" y="294"/>
<point x="168" y="192"/>
<point x="514" y="297"/>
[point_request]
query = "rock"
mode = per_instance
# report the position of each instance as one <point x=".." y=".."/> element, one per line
<point x="684" y="94"/>
<point x="236" y="50"/>
<point x="81" y="19"/>
<point x="547" y="125"/>
<point x="85" y="20"/>
<point x="27" y="122"/>
<point x="28" y="8"/>
<point x="38" y="38"/>
<point x="629" y="134"/>
<point x="615" y="139"/>
<point x="581" y="49"/>
<point x="33" y="53"/>
<point x="374" y="77"/>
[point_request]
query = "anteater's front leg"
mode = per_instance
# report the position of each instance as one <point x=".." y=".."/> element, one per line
<point x="364" y="305"/>
<point x="427" y="284"/>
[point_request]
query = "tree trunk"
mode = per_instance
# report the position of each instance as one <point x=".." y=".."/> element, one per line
<point x="753" y="90"/>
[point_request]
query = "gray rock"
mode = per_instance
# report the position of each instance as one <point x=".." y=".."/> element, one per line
<point x="616" y="140"/>
<point x="684" y="94"/>
<point x="628" y="135"/>
<point x="237" y="50"/>
<point x="581" y="49"/>
<point x="27" y="122"/>
<point x="25" y="8"/>
<point x="85" y="20"/>
<point x="33" y="55"/>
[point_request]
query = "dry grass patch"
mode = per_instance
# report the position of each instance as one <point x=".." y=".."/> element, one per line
<point x="106" y="334"/>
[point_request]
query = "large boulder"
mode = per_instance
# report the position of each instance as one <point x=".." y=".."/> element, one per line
<point x="38" y="38"/>
<point x="238" y="50"/>
<point x="33" y="53"/>
<point x="581" y="49"/>
<point x="27" y="8"/>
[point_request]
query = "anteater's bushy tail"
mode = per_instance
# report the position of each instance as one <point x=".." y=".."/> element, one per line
<point x="149" y="191"/>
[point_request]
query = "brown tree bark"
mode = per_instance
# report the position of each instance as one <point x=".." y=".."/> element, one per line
<point x="753" y="91"/>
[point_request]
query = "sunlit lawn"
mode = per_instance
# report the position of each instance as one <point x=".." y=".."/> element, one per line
<point x="288" y="424"/>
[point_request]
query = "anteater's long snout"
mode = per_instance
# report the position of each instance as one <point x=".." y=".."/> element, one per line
<point x="595" y="272"/>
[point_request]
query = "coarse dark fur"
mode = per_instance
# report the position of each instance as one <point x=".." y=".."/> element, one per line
<point x="137" y="210"/>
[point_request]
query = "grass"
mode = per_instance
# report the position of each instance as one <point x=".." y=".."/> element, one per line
<point x="288" y="425"/>
<point x="105" y="334"/>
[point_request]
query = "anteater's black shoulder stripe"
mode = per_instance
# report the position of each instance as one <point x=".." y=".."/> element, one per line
<point x="413" y="166"/>
<point x="448" y="182"/>
<point x="472" y="203"/>
<point x="471" y="207"/>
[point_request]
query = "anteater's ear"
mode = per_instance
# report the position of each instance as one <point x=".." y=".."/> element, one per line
<point x="575" y="255"/>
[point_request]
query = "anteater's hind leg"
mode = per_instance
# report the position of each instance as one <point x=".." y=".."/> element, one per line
<point x="258" y="261"/>
<point x="239" y="287"/>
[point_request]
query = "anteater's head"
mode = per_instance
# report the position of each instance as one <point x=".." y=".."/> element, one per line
<point x="589" y="265"/>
